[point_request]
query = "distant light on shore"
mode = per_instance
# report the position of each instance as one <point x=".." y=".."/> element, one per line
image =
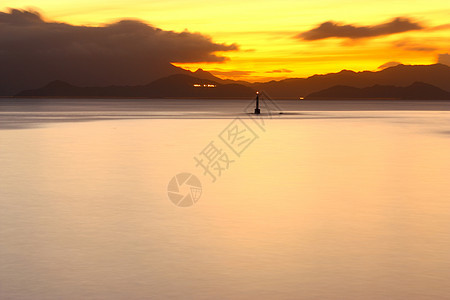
<point x="205" y="85"/>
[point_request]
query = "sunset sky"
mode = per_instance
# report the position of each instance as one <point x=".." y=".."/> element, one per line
<point x="283" y="38"/>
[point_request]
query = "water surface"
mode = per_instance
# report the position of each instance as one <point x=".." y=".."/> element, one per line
<point x="330" y="201"/>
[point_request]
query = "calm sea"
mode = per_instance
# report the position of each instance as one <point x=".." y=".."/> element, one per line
<point x="327" y="200"/>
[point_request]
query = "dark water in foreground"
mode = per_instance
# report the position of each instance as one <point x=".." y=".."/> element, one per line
<point x="329" y="200"/>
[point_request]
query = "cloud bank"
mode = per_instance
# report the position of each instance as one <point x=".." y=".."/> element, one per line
<point x="34" y="51"/>
<point x="332" y="29"/>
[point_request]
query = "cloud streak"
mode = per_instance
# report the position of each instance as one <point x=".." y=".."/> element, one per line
<point x="410" y="45"/>
<point x="34" y="51"/>
<point x="332" y="29"/>
<point x="231" y="73"/>
<point x="280" y="71"/>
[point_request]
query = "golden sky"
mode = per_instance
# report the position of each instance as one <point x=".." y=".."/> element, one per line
<point x="265" y="30"/>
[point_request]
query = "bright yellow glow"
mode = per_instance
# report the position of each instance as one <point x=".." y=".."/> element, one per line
<point x="265" y="29"/>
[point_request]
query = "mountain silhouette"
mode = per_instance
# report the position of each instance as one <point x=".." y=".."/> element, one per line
<point x="400" y="75"/>
<point x="202" y="74"/>
<point x="386" y="83"/>
<point x="174" y="86"/>
<point x="415" y="91"/>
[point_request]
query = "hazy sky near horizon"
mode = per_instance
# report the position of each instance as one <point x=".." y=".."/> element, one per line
<point x="283" y="38"/>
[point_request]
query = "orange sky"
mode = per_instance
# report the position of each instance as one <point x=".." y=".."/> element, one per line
<point x="265" y="31"/>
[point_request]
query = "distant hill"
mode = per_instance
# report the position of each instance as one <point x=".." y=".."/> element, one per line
<point x="174" y="86"/>
<point x="415" y="91"/>
<point x="400" y="75"/>
<point x="386" y="83"/>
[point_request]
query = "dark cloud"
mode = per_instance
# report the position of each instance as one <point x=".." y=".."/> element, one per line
<point x="34" y="51"/>
<point x="332" y="29"/>
<point x="389" y="64"/>
<point x="444" y="59"/>
<point x="280" y="71"/>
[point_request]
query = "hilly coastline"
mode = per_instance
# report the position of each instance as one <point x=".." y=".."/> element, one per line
<point x="399" y="82"/>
